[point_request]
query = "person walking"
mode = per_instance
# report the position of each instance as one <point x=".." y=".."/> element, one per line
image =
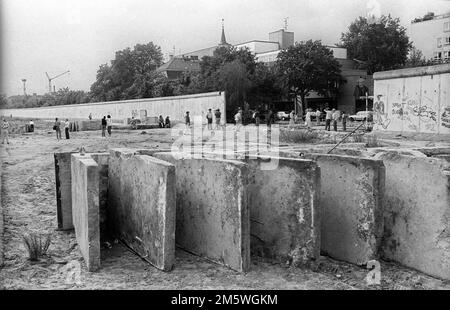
<point x="218" y="116"/>
<point x="318" y="115"/>
<point x="5" y="131"/>
<point x="66" y="128"/>
<point x="209" y="119"/>
<point x="109" y="124"/>
<point x="335" y="118"/>
<point x="328" y="116"/>
<point x="57" y="128"/>
<point x="344" y="120"/>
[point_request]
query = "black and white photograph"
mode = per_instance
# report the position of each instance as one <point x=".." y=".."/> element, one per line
<point x="225" y="151"/>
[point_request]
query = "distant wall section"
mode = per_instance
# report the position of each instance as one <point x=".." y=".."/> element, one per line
<point x="174" y="107"/>
<point x="415" y="100"/>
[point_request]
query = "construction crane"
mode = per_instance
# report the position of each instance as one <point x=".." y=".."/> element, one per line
<point x="51" y="79"/>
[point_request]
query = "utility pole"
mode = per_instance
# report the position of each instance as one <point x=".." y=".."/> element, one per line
<point x="51" y="79"/>
<point x="24" y="87"/>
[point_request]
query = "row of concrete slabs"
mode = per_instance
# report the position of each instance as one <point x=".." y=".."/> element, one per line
<point x="291" y="209"/>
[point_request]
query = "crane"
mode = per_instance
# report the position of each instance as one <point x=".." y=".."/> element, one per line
<point x="51" y="79"/>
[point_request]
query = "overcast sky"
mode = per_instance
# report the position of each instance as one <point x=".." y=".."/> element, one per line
<point x="80" y="35"/>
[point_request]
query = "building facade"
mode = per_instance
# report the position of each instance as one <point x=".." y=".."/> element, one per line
<point x="431" y="35"/>
<point x="267" y="52"/>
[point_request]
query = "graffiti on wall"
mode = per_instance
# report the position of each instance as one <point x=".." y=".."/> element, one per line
<point x="445" y="117"/>
<point x="381" y="116"/>
<point x="409" y="111"/>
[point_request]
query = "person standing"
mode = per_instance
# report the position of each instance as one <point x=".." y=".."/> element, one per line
<point x="344" y="120"/>
<point x="218" y="116"/>
<point x="66" y="128"/>
<point x="335" y="118"/>
<point x="57" y="128"/>
<point x="161" y="121"/>
<point x="90" y="116"/>
<point x="5" y="131"/>
<point x="308" y="118"/>
<point x="269" y="119"/>
<point x="31" y="126"/>
<point x="257" y="117"/>
<point x="209" y="119"/>
<point x="238" y="120"/>
<point x="167" y="122"/>
<point x="109" y="124"/>
<point x="187" y="120"/>
<point x="291" y="120"/>
<point x="318" y="115"/>
<point x="104" y="126"/>
<point x="328" y="116"/>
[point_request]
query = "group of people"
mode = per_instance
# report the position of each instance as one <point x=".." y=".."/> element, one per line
<point x="106" y="125"/>
<point x="57" y="127"/>
<point x="331" y="117"/>
<point x="164" y="123"/>
<point x="210" y="117"/>
<point x="334" y="116"/>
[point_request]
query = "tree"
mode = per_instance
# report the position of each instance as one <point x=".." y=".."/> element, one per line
<point x="130" y="75"/>
<point x="309" y="66"/>
<point x="383" y="45"/>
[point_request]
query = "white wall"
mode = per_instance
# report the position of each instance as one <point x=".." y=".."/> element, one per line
<point x="174" y="107"/>
<point x="415" y="100"/>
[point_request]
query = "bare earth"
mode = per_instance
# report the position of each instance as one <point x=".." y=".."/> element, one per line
<point x="29" y="204"/>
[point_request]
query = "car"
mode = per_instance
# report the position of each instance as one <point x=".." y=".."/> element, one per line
<point x="283" y="116"/>
<point x="361" y="116"/>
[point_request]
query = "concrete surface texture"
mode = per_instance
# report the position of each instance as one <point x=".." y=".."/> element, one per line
<point x="284" y="211"/>
<point x="85" y="203"/>
<point x="413" y="100"/>
<point x="417" y="213"/>
<point x="102" y="160"/>
<point x="63" y="181"/>
<point x="212" y="209"/>
<point x="142" y="205"/>
<point x="351" y="204"/>
<point x="175" y="107"/>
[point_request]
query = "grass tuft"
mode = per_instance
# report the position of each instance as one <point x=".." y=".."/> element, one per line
<point x="36" y="245"/>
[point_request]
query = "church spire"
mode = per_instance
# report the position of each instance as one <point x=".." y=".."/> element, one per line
<point x="223" y="40"/>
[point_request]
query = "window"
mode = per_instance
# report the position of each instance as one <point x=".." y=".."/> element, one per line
<point x="447" y="41"/>
<point x="446" y="26"/>
<point x="447" y="55"/>
<point x="439" y="42"/>
<point x="437" y="55"/>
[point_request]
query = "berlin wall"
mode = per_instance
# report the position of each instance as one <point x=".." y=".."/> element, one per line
<point x="415" y="100"/>
<point x="174" y="107"/>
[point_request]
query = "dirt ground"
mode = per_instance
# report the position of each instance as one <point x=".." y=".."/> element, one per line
<point x="29" y="204"/>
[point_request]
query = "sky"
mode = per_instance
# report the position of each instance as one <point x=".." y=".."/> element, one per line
<point x="54" y="36"/>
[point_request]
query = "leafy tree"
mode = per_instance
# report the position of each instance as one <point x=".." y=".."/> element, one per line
<point x="235" y="81"/>
<point x="130" y="75"/>
<point x="309" y="66"/>
<point x="265" y="85"/>
<point x="3" y="101"/>
<point x="383" y="45"/>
